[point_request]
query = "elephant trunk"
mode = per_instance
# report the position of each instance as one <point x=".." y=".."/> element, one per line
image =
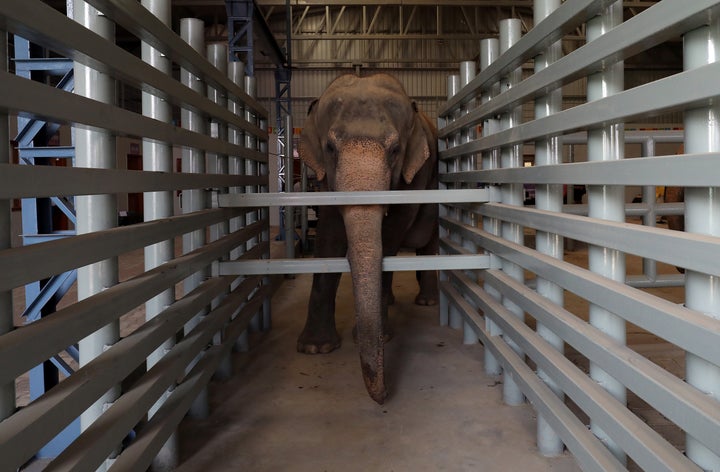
<point x="363" y="225"/>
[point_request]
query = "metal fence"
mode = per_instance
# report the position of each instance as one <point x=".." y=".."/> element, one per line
<point x="221" y="148"/>
<point x="482" y="136"/>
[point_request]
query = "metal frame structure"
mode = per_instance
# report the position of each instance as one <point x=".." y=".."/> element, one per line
<point x="495" y="306"/>
<point x="213" y="314"/>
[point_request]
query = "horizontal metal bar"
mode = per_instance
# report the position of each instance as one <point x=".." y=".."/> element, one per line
<point x="391" y="197"/>
<point x="690" y="330"/>
<point x="663" y="280"/>
<point x="666" y="20"/>
<point x="135" y="18"/>
<point x="686" y="170"/>
<point x="40" y="152"/>
<point x="693" y="251"/>
<point x="21" y="181"/>
<point x="640" y="102"/>
<point x="98" y="441"/>
<point x="562" y="21"/>
<point x="43" y="25"/>
<point x="18" y="351"/>
<point x="340" y="264"/>
<point x="587" y="449"/>
<point x="692" y="410"/>
<point x="29" y="98"/>
<point x="25" y="264"/>
<point x="638" y="439"/>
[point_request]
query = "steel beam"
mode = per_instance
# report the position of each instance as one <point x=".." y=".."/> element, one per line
<point x="340" y="264"/>
<point x="393" y="197"/>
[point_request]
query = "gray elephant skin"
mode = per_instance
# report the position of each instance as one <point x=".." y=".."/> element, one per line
<point x="366" y="134"/>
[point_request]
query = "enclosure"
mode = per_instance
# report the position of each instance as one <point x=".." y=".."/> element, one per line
<point x="563" y="273"/>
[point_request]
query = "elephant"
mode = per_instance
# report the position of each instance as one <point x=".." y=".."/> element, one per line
<point x="366" y="134"/>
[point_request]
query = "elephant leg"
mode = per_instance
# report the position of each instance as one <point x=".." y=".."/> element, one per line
<point x="320" y="335"/>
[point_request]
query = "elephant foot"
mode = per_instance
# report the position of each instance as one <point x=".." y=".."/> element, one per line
<point x="426" y="300"/>
<point x="309" y="344"/>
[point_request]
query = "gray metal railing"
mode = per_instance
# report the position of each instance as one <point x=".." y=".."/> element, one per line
<point x="530" y="280"/>
<point x="181" y="343"/>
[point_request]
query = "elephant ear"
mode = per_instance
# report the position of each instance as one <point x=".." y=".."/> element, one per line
<point x="310" y="147"/>
<point x="421" y="144"/>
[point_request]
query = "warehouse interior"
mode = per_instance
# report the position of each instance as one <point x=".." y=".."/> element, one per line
<point x="158" y="229"/>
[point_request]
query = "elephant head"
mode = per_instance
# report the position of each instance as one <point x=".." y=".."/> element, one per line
<point x="365" y="134"/>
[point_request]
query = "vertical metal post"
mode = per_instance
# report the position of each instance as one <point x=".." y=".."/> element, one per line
<point x="467" y="74"/>
<point x="192" y="31"/>
<point x="650" y="217"/>
<point x="218" y="164"/>
<point x="7" y="392"/>
<point x="158" y="157"/>
<point x="95" y="149"/>
<point x="702" y="215"/>
<point x="548" y="197"/>
<point x="489" y="52"/>
<point x="453" y="83"/>
<point x="252" y="168"/>
<point x="236" y="73"/>
<point x="512" y="194"/>
<point x="455" y="320"/>
<point x="606" y="202"/>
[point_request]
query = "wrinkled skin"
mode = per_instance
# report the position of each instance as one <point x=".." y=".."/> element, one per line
<point x="365" y="134"/>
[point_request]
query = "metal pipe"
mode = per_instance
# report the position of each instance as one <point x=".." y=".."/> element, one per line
<point x="7" y="391"/>
<point x="606" y="202"/>
<point x="550" y="198"/>
<point x="468" y="70"/>
<point x="489" y="52"/>
<point x="236" y="73"/>
<point x="217" y="54"/>
<point x="512" y="194"/>
<point x="192" y="31"/>
<point x="252" y="168"/>
<point x="454" y="318"/>
<point x="158" y="157"/>
<point x="702" y="211"/>
<point x="96" y="149"/>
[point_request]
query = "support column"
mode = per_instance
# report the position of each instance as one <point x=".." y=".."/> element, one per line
<point x="236" y="73"/>
<point x="702" y="216"/>
<point x="449" y="314"/>
<point x="218" y="164"/>
<point x="96" y="149"/>
<point x="548" y="197"/>
<point x="158" y="157"/>
<point x="512" y="194"/>
<point x="252" y="168"/>
<point x="192" y="31"/>
<point x="7" y="392"/>
<point x="467" y="74"/>
<point x="607" y="202"/>
<point x="489" y="52"/>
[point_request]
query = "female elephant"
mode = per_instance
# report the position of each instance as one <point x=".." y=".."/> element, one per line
<point x="365" y="134"/>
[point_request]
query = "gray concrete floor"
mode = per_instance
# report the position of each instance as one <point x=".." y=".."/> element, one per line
<point x="284" y="411"/>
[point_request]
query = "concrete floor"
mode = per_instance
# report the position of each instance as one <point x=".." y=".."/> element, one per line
<point x="284" y="411"/>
